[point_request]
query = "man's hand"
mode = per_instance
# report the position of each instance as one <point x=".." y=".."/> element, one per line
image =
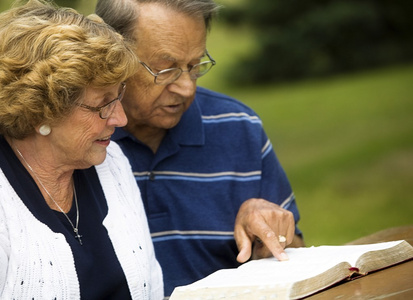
<point x="261" y="223"/>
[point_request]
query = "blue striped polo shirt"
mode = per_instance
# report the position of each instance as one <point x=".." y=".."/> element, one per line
<point x="217" y="157"/>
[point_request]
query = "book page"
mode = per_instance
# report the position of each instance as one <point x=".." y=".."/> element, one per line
<point x="376" y="260"/>
<point x="303" y="263"/>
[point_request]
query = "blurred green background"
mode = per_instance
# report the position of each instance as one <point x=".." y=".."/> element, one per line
<point x="345" y="141"/>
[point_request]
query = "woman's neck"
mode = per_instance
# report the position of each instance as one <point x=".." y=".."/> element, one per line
<point x="54" y="180"/>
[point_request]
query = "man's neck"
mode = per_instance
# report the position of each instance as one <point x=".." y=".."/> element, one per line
<point x="150" y="136"/>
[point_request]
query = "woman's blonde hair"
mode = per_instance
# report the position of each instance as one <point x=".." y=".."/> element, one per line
<point x="48" y="56"/>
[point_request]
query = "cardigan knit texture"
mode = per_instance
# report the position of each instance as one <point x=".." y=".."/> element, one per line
<point x="37" y="263"/>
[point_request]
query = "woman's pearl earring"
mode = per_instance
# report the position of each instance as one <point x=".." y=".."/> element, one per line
<point x="45" y="130"/>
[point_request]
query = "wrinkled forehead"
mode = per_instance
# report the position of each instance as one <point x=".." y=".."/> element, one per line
<point x="160" y="29"/>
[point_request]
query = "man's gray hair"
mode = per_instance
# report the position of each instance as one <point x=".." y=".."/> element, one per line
<point x="122" y="14"/>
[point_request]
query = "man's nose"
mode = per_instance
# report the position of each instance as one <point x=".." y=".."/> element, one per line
<point x="184" y="85"/>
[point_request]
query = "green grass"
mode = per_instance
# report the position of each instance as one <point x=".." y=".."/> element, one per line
<point x="346" y="142"/>
<point x="347" y="147"/>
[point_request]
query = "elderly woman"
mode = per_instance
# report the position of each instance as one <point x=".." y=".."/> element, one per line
<point x="72" y="223"/>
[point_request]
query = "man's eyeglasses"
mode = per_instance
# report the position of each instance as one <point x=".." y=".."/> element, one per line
<point x="106" y="110"/>
<point x="167" y="76"/>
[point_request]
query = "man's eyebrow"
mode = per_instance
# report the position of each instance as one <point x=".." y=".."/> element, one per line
<point x="168" y="57"/>
<point x="173" y="59"/>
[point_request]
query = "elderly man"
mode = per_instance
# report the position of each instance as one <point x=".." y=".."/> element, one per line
<point x="214" y="192"/>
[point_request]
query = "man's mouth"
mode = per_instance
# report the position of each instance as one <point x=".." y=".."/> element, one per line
<point x="173" y="108"/>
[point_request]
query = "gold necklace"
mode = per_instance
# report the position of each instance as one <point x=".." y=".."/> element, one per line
<point x="75" y="229"/>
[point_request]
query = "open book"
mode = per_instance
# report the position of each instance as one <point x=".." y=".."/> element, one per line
<point x="307" y="271"/>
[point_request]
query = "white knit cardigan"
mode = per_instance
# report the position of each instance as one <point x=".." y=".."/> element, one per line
<point x="37" y="263"/>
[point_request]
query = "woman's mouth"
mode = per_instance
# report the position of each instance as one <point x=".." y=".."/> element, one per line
<point x="105" y="141"/>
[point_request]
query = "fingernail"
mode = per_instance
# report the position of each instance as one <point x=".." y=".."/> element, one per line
<point x="283" y="256"/>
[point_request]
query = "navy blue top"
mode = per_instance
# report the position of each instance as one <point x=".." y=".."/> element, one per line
<point x="217" y="157"/>
<point x="98" y="269"/>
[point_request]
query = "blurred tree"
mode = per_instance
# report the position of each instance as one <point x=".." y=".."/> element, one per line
<point x="301" y="39"/>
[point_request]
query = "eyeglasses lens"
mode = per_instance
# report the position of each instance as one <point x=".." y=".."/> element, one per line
<point x="107" y="110"/>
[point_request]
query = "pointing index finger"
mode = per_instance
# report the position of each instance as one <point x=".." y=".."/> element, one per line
<point x="271" y="241"/>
